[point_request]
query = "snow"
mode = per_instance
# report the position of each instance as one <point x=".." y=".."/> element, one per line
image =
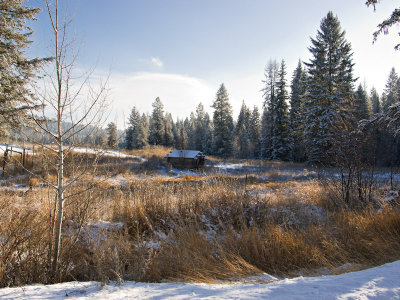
<point x="108" y="153"/>
<point x="184" y="153"/>
<point x="16" y="148"/>
<point x="377" y="283"/>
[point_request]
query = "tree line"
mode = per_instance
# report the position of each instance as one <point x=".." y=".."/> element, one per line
<point x="323" y="109"/>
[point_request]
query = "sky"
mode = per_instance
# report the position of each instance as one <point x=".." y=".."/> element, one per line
<point x="182" y="50"/>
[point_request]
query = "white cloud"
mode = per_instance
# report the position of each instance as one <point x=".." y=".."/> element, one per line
<point x="157" y="62"/>
<point x="180" y="94"/>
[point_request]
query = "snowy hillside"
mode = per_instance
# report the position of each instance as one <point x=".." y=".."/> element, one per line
<point x="377" y="283"/>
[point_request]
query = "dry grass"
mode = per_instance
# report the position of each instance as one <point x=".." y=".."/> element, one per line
<point x="188" y="228"/>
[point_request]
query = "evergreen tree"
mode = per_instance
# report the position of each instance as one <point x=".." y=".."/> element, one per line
<point x="242" y="134"/>
<point x="157" y="124"/>
<point x="16" y="70"/>
<point x="168" y="127"/>
<point x="190" y="127"/>
<point x="329" y="90"/>
<point x="207" y="139"/>
<point x="360" y="107"/>
<point x="223" y="124"/>
<point x="131" y="135"/>
<point x="270" y="90"/>
<point x="280" y="131"/>
<point x="142" y="139"/>
<point x="180" y="136"/>
<point x="199" y="127"/>
<point x="255" y="133"/>
<point x="266" y="134"/>
<point x="391" y="93"/>
<point x="298" y="91"/>
<point x="376" y="104"/>
<point x="112" y="135"/>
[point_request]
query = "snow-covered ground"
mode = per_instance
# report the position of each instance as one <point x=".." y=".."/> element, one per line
<point x="377" y="283"/>
<point x="15" y="148"/>
<point x="103" y="152"/>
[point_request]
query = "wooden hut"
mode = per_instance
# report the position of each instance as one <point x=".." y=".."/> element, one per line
<point x="186" y="159"/>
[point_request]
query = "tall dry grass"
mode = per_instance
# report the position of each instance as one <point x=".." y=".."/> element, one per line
<point x="203" y="229"/>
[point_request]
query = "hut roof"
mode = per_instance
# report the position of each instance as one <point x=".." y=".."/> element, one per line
<point x="185" y="154"/>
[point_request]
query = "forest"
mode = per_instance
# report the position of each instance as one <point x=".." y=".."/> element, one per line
<point x="306" y="184"/>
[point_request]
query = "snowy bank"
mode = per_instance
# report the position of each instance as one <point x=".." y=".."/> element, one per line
<point x="377" y="283"/>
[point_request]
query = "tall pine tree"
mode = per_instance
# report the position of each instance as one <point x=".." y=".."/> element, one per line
<point x="280" y="131"/>
<point x="223" y="124"/>
<point x="329" y="90"/>
<point x="16" y="70"/>
<point x="296" y="115"/>
<point x="157" y="124"/>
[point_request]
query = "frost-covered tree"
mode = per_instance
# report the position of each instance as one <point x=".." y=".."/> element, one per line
<point x="16" y="70"/>
<point x="131" y="134"/>
<point x="383" y="27"/>
<point x="375" y="102"/>
<point x="180" y="135"/>
<point x="190" y="127"/>
<point x="361" y="105"/>
<point x="242" y="134"/>
<point x="391" y="92"/>
<point x="296" y="115"/>
<point x="207" y="139"/>
<point x="223" y="124"/>
<point x="168" y="130"/>
<point x="329" y="90"/>
<point x="255" y="132"/>
<point x="202" y="137"/>
<point x="157" y="123"/>
<point x="112" y="135"/>
<point x="280" y="130"/>
<point x="270" y="91"/>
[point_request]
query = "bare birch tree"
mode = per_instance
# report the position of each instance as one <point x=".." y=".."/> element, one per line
<point x="73" y="98"/>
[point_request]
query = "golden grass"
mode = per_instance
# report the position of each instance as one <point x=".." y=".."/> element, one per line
<point x="189" y="228"/>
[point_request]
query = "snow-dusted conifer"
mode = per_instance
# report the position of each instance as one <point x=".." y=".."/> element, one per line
<point x="168" y="130"/>
<point x="375" y="102"/>
<point x="360" y="107"/>
<point x="112" y="135"/>
<point x="296" y="115"/>
<point x="157" y="130"/>
<point x="242" y="134"/>
<point x="223" y="124"/>
<point x="391" y="92"/>
<point x="270" y="90"/>
<point x="280" y="130"/>
<point x="255" y="132"/>
<point x="329" y="90"/>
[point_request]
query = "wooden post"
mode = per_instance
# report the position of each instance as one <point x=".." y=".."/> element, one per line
<point x="23" y="158"/>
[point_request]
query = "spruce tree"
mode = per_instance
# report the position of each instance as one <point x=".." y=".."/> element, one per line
<point x="207" y="138"/>
<point x="360" y="107"/>
<point x="280" y="131"/>
<point x="16" y="70"/>
<point x="132" y="132"/>
<point x="112" y="135"/>
<point x="142" y="138"/>
<point x="223" y="124"/>
<point x="296" y="115"/>
<point x="375" y="102"/>
<point x="329" y="90"/>
<point x="270" y="90"/>
<point x="242" y="134"/>
<point x="391" y="92"/>
<point x="157" y="123"/>
<point x="168" y="130"/>
<point x="255" y="133"/>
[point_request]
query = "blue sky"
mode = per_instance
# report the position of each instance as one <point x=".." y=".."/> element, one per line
<point x="181" y="50"/>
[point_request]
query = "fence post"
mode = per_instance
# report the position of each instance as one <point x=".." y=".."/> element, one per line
<point x="23" y="158"/>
